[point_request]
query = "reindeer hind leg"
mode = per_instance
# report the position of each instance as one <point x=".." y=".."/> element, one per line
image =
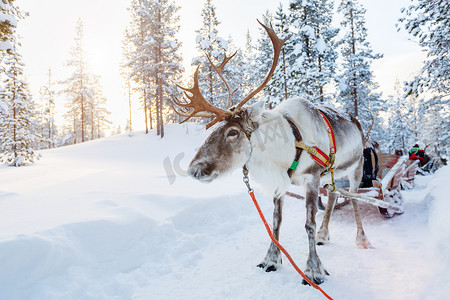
<point x="323" y="235"/>
<point x="361" y="241"/>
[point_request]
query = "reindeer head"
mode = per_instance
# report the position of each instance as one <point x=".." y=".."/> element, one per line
<point x="228" y="146"/>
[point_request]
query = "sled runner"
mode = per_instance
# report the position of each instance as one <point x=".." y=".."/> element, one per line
<point x="395" y="173"/>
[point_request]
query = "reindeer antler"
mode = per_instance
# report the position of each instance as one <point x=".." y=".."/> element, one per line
<point x="199" y="107"/>
<point x="219" y="70"/>
<point x="277" y="44"/>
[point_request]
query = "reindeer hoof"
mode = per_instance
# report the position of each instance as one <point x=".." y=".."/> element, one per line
<point x="363" y="243"/>
<point x="271" y="269"/>
<point x="315" y="280"/>
<point x="318" y="279"/>
<point x="267" y="267"/>
<point x="322" y="237"/>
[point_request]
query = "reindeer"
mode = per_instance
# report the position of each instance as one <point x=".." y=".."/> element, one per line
<point x="264" y="143"/>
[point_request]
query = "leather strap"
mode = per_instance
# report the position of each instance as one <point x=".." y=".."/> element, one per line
<point x="298" y="151"/>
<point x="320" y="157"/>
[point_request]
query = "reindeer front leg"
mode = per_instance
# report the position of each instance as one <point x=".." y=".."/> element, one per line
<point x="273" y="257"/>
<point x="314" y="268"/>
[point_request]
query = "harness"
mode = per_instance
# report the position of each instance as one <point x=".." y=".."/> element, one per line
<point x="320" y="157"/>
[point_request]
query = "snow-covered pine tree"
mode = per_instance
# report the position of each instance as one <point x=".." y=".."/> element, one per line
<point x="277" y="89"/>
<point x="134" y="53"/>
<point x="76" y="89"/>
<point x="9" y="14"/>
<point x="399" y="116"/>
<point x="235" y="73"/>
<point x="165" y="60"/>
<point x="264" y="57"/>
<point x="247" y="83"/>
<point x="310" y="51"/>
<point x="125" y="72"/>
<point x="355" y="82"/>
<point x="99" y="116"/>
<point x="19" y="132"/>
<point x="48" y="130"/>
<point x="83" y="93"/>
<point x="429" y="22"/>
<point x="208" y="41"/>
<point x="154" y="60"/>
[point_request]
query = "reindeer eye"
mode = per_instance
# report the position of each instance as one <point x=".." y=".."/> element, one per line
<point x="233" y="132"/>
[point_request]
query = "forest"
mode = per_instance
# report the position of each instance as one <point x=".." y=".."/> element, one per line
<point x="324" y="63"/>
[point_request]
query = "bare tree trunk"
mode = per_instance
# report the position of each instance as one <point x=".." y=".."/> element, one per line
<point x="150" y="113"/>
<point x="285" y="76"/>
<point x="82" y="99"/>
<point x="145" y="111"/>
<point x="74" y="128"/>
<point x="50" y="112"/>
<point x="354" y="92"/>
<point x="129" y="103"/>
<point x="92" y="124"/>
<point x="322" y="100"/>
<point x="159" y="96"/>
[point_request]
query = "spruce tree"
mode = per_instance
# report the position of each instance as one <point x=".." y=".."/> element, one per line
<point x="18" y="128"/>
<point x="429" y="23"/>
<point x="400" y="123"/>
<point x="127" y="48"/>
<point x="136" y="60"/>
<point x="311" y="53"/>
<point x="264" y="58"/>
<point x="48" y="130"/>
<point x="76" y="88"/>
<point x="277" y="89"/>
<point x="154" y="59"/>
<point x="165" y="58"/>
<point x="356" y="83"/>
<point x="209" y="42"/>
<point x="8" y="23"/>
<point x="84" y="96"/>
<point x="249" y="78"/>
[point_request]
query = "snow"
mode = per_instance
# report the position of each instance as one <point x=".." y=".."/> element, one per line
<point x="205" y="44"/>
<point x="309" y="31"/>
<point x="5" y="45"/>
<point x="101" y="220"/>
<point x="3" y="107"/>
<point x="297" y="49"/>
<point x="321" y="45"/>
<point x="222" y="43"/>
<point x="342" y="85"/>
<point x="8" y="18"/>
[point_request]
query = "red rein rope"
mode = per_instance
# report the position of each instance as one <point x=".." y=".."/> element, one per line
<point x="269" y="231"/>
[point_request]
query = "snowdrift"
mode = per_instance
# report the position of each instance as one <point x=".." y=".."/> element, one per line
<point x="118" y="219"/>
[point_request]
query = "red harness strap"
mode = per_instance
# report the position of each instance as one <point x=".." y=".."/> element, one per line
<point x="318" y="155"/>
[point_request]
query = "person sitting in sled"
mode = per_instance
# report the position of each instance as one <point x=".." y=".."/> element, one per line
<point x="417" y="153"/>
<point x="370" y="167"/>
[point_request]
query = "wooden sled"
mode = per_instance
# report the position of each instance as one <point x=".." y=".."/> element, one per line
<point x="396" y="173"/>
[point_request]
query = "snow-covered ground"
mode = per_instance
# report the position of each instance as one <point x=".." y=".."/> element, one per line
<point x="102" y="220"/>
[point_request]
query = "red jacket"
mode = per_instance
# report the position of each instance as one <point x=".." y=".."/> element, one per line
<point x="415" y="156"/>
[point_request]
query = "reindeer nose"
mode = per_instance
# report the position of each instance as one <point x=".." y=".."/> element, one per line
<point x="200" y="170"/>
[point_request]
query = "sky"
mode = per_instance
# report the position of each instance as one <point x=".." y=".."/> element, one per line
<point x="48" y="33"/>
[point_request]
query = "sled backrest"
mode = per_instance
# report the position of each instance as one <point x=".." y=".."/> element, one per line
<point x="386" y="161"/>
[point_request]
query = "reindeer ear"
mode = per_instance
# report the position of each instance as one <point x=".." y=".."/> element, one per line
<point x="256" y="110"/>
